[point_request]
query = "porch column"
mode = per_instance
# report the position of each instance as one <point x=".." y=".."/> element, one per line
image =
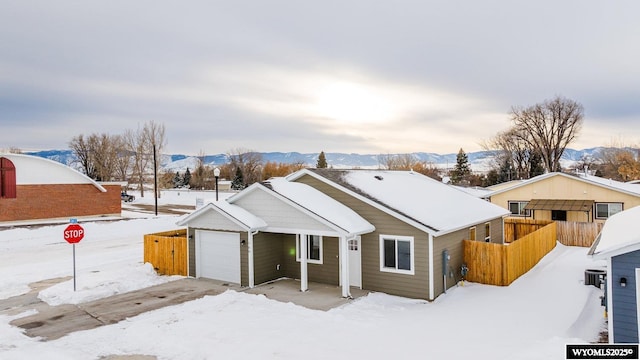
<point x="251" y="260"/>
<point x="344" y="267"/>
<point x="304" y="282"/>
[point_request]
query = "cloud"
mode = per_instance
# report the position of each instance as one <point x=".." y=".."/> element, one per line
<point x="288" y="76"/>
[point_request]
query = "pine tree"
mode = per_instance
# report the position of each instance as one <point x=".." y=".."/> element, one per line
<point x="461" y="171"/>
<point x="238" y="180"/>
<point x="186" y="179"/>
<point x="177" y="180"/>
<point x="322" y="161"/>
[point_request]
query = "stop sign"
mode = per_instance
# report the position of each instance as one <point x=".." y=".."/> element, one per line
<point x="73" y="233"/>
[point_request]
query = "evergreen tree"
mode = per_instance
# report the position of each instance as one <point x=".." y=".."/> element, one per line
<point x="506" y="171"/>
<point x="322" y="161"/>
<point x="462" y="170"/>
<point x="177" y="180"/>
<point x="536" y="166"/>
<point x="186" y="179"/>
<point x="238" y="180"/>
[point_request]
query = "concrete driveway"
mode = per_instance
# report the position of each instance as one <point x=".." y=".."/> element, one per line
<point x="53" y="322"/>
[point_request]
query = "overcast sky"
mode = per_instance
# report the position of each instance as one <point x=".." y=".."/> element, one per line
<point x="339" y="76"/>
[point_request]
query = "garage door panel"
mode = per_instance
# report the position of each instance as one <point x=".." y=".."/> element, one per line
<point x="218" y="255"/>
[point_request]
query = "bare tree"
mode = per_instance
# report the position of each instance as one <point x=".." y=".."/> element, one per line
<point x="397" y="161"/>
<point x="124" y="158"/>
<point x="249" y="162"/>
<point x="83" y="154"/>
<point x="154" y="138"/>
<point x="135" y="144"/>
<point x="548" y="127"/>
<point x="513" y="152"/>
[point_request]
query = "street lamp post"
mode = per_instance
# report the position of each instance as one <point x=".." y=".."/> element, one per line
<point x="216" y="174"/>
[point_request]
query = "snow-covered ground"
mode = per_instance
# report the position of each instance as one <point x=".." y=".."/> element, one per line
<point x="531" y="319"/>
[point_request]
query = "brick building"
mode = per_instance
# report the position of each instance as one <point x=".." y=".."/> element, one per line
<point x="36" y="188"/>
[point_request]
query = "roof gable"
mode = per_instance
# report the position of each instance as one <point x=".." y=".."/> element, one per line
<point x="223" y="216"/>
<point x="285" y="205"/>
<point x="587" y="179"/>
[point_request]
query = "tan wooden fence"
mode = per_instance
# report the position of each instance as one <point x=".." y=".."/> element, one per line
<point x="167" y="252"/>
<point x="578" y="233"/>
<point x="497" y="264"/>
<point x="515" y="228"/>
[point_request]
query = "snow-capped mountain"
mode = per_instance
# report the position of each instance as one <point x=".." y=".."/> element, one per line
<point x="479" y="160"/>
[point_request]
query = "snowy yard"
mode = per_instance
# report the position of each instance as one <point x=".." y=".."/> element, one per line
<point x="531" y="319"/>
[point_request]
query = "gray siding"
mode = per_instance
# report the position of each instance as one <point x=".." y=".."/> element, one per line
<point x="268" y="257"/>
<point x="414" y="286"/>
<point x="453" y="244"/>
<point x="327" y="273"/>
<point x="625" y="321"/>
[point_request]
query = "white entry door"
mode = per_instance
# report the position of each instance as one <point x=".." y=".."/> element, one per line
<point x="218" y="255"/>
<point x="355" y="262"/>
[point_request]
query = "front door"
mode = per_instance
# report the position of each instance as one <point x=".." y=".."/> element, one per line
<point x="355" y="262"/>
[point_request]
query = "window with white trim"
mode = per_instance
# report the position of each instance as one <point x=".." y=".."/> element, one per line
<point x="605" y="210"/>
<point x="517" y="208"/>
<point x="472" y="233"/>
<point x="396" y="254"/>
<point x="314" y="249"/>
<point x="487" y="232"/>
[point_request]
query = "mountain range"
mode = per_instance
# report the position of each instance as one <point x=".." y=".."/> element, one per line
<point x="479" y="160"/>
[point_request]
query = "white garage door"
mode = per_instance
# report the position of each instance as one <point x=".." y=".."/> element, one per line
<point x="218" y="255"/>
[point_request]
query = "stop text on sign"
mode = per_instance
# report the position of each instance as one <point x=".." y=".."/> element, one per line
<point x="73" y="233"/>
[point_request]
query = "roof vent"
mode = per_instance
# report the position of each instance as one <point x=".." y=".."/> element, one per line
<point x="378" y="177"/>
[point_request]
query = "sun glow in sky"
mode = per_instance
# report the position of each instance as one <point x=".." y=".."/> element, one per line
<point x="352" y="103"/>
<point x="389" y="77"/>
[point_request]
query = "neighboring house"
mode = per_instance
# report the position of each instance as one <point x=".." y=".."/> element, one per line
<point x="33" y="188"/>
<point x="565" y="197"/>
<point x="619" y="244"/>
<point x="388" y="231"/>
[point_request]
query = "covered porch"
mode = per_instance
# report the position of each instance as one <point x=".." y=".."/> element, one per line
<point x="561" y="210"/>
<point x="282" y="229"/>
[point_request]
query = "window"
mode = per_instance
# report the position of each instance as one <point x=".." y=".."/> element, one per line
<point x="472" y="233"/>
<point x="396" y="254"/>
<point x="605" y="210"/>
<point x="559" y="215"/>
<point x="517" y="208"/>
<point x="487" y="232"/>
<point x="7" y="179"/>
<point x="314" y="249"/>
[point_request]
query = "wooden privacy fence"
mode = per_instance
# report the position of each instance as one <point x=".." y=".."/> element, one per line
<point x="515" y="228"/>
<point x="167" y="252"/>
<point x="497" y="264"/>
<point x="583" y="234"/>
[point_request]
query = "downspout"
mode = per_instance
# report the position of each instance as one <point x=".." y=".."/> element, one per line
<point x="431" y="281"/>
<point x="251" y="260"/>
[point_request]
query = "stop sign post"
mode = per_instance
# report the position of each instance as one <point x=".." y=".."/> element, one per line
<point x="73" y="234"/>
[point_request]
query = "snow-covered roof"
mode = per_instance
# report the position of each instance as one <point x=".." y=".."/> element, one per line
<point x="321" y="205"/>
<point x="631" y="189"/>
<point x="429" y="204"/>
<point x="478" y="192"/>
<point x="616" y="185"/>
<point x="34" y="170"/>
<point x="234" y="213"/>
<point x="619" y="235"/>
